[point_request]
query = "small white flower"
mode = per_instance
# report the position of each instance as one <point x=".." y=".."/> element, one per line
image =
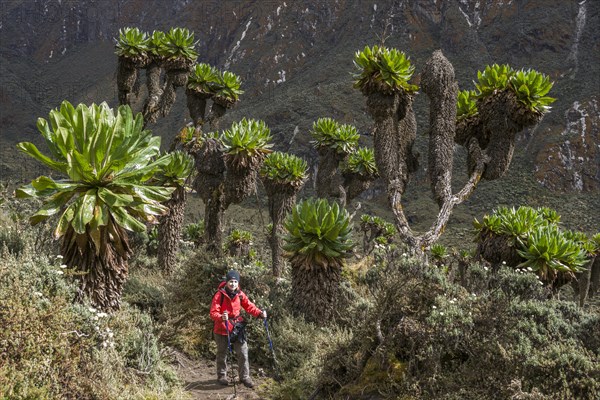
<point x="95" y="318"/>
<point x="441" y="313"/>
<point x="110" y="334"/>
<point x="473" y="294"/>
<point x="112" y="344"/>
<point x="59" y="272"/>
<point x="107" y="329"/>
<point x="485" y="268"/>
<point x="38" y="294"/>
<point x="470" y="313"/>
<point x="503" y="262"/>
<point x="63" y="266"/>
<point x="541" y="283"/>
<point x="403" y="254"/>
<point x="434" y="307"/>
<point x="59" y="257"/>
<point x="96" y="328"/>
<point x="102" y="315"/>
<point x="92" y="309"/>
<point x="104" y="344"/>
<point x="529" y="269"/>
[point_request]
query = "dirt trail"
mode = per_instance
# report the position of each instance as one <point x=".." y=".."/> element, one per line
<point x="199" y="379"/>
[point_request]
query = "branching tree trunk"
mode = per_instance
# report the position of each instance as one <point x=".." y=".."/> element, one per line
<point x="328" y="179"/>
<point x="169" y="230"/>
<point x="196" y="103"/>
<point x="240" y="180"/>
<point x="282" y="197"/>
<point x="488" y="138"/>
<point x="155" y="91"/>
<point x="127" y="74"/>
<point x="216" y="113"/>
<point x="354" y="184"/>
<point x="209" y="186"/>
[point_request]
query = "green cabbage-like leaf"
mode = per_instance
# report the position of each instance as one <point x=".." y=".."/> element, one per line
<point x="105" y="157"/>
<point x="531" y="88"/>
<point x="466" y="105"/>
<point x="318" y="230"/>
<point x="362" y="162"/>
<point x="388" y="70"/>
<point x="327" y="132"/>
<point x="132" y="43"/>
<point x="284" y="168"/>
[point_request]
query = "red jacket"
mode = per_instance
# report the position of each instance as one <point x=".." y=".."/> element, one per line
<point x="232" y="306"/>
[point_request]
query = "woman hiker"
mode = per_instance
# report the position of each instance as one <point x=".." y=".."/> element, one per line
<point x="225" y="312"/>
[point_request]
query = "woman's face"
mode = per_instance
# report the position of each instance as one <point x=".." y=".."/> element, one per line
<point x="232" y="284"/>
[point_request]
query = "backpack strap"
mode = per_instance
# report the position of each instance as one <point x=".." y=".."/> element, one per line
<point x="223" y="296"/>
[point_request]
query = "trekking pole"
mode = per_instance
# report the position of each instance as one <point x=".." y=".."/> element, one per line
<point x="231" y="359"/>
<point x="275" y="364"/>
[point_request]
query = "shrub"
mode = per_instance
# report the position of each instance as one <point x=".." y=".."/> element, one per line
<point x="52" y="348"/>
<point x="437" y="340"/>
<point x="12" y="240"/>
<point x="194" y="232"/>
<point x="531" y="239"/>
<point x="145" y="296"/>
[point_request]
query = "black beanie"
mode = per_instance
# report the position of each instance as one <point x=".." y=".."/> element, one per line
<point x="232" y="275"/>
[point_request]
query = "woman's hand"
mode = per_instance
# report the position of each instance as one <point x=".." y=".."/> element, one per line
<point x="225" y="316"/>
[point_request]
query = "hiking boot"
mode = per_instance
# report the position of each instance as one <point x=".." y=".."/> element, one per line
<point x="248" y="383"/>
<point x="223" y="381"/>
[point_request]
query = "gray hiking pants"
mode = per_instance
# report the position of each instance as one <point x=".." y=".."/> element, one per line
<point x="241" y="351"/>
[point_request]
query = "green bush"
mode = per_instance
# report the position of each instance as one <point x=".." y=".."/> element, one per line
<point x="530" y="238"/>
<point x="445" y="341"/>
<point x="194" y="232"/>
<point x="143" y="295"/>
<point x="284" y="168"/>
<point x="53" y="348"/>
<point x="12" y="240"/>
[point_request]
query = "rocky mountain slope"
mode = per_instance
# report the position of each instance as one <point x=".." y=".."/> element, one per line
<point x="296" y="62"/>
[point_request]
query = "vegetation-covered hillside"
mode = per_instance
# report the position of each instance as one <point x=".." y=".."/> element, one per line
<point x="111" y="253"/>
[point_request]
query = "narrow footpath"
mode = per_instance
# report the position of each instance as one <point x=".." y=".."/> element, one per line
<point x="199" y="379"/>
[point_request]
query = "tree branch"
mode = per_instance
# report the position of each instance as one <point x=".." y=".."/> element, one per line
<point x="446" y="210"/>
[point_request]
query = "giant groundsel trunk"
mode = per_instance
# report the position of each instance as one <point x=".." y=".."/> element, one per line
<point x="169" y="230"/>
<point x="100" y="259"/>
